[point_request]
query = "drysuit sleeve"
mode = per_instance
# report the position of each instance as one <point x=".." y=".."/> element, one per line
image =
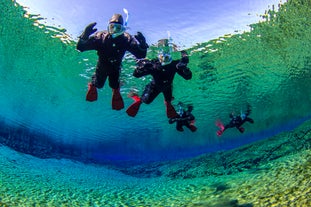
<point x="175" y="119"/>
<point x="138" y="46"/>
<point x="87" y="42"/>
<point x="182" y="68"/>
<point x="249" y="120"/>
<point x="144" y="67"/>
<point x="184" y="71"/>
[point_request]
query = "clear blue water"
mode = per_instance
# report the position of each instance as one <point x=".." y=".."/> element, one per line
<point x="43" y="112"/>
<point x="44" y="81"/>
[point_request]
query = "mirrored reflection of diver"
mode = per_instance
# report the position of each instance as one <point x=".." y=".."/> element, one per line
<point x="111" y="46"/>
<point x="236" y="121"/>
<point x="162" y="70"/>
<point x="184" y="118"/>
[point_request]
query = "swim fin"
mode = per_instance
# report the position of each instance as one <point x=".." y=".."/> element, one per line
<point x="170" y="111"/>
<point x="132" y="110"/>
<point x="117" y="100"/>
<point x="219" y="132"/>
<point x="241" y="129"/>
<point x="220" y="125"/>
<point x="91" y="93"/>
<point x="193" y="128"/>
<point x="221" y="128"/>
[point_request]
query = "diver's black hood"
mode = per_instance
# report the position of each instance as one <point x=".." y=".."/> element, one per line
<point x="116" y="18"/>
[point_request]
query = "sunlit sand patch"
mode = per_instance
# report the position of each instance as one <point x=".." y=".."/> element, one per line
<point x="27" y="181"/>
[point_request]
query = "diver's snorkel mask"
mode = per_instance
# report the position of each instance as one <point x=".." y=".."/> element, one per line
<point x="115" y="25"/>
<point x="165" y="58"/>
<point x="164" y="54"/>
<point x="181" y="110"/>
<point x="115" y="29"/>
<point x="243" y="116"/>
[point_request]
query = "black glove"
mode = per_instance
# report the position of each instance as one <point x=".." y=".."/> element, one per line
<point x="184" y="57"/>
<point x="89" y="29"/>
<point x="144" y="63"/>
<point x="171" y="120"/>
<point x="143" y="66"/>
<point x="181" y="66"/>
<point x="142" y="40"/>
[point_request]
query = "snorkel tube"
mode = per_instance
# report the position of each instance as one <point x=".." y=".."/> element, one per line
<point x="127" y="17"/>
<point x="242" y="115"/>
<point x="181" y="109"/>
<point x="165" y="50"/>
<point x="170" y="42"/>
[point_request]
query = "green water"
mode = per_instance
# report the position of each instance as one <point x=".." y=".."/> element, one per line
<point x="44" y="81"/>
<point x="275" y="172"/>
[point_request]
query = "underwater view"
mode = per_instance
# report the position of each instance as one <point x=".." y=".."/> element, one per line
<point x="248" y="144"/>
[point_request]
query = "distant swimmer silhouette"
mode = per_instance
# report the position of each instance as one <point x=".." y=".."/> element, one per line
<point x="236" y="121"/>
<point x="184" y="118"/>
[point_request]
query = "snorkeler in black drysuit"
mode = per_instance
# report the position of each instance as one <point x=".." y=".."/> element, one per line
<point x="163" y="71"/>
<point x="236" y="121"/>
<point x="111" y="46"/>
<point x="184" y="118"/>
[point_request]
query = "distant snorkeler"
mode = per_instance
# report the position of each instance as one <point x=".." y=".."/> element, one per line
<point x="236" y="121"/>
<point x="184" y="118"/>
<point x="162" y="69"/>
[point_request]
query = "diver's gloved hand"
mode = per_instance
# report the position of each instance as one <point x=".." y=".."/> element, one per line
<point x="172" y="120"/>
<point x="181" y="66"/>
<point x="144" y="63"/>
<point x="89" y="29"/>
<point x="142" y="40"/>
<point x="184" y="57"/>
<point x="144" y="66"/>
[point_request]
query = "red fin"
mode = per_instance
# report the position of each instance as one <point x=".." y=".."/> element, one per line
<point x="219" y="132"/>
<point x="91" y="93"/>
<point x="193" y="128"/>
<point x="170" y="111"/>
<point x="220" y="125"/>
<point x="221" y="128"/>
<point x="117" y="100"/>
<point x="132" y="110"/>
